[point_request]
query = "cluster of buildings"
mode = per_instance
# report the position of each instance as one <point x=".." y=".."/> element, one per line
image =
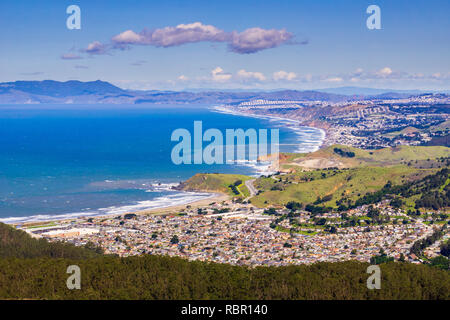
<point x="379" y="127"/>
<point x="269" y="104"/>
<point x="241" y="236"/>
<point x="262" y="102"/>
<point x="369" y="123"/>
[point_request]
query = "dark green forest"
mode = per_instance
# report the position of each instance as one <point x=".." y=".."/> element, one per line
<point x="36" y="269"/>
<point x="18" y="244"/>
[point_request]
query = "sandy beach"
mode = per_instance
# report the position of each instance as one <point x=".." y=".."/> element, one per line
<point x="156" y="211"/>
<point x="173" y="209"/>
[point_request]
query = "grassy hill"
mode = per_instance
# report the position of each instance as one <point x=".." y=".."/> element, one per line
<point x="385" y="156"/>
<point x="341" y="172"/>
<point x="336" y="172"/>
<point x="216" y="183"/>
<point x="306" y="187"/>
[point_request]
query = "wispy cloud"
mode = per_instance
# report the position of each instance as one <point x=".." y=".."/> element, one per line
<point x="37" y="73"/>
<point x="138" y="63"/>
<point x="334" y="79"/>
<point x="71" y="56"/>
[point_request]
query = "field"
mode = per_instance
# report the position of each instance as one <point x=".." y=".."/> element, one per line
<point x="307" y="187"/>
<point x="331" y="174"/>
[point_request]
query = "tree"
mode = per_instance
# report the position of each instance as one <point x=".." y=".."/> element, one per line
<point x="321" y="222"/>
<point x="396" y="203"/>
<point x="383" y="258"/>
<point x="440" y="262"/>
<point x="271" y="211"/>
<point x="294" y="206"/>
<point x="445" y="249"/>
<point x="174" y="239"/>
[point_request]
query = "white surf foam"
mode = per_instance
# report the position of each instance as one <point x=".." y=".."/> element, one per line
<point x="177" y="198"/>
<point x="315" y="136"/>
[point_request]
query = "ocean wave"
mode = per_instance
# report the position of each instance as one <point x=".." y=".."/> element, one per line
<point x="175" y="199"/>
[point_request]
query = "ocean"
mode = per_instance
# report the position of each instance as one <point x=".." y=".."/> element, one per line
<point x="62" y="161"/>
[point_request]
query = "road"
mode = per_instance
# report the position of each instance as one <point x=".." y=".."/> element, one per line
<point x="250" y="187"/>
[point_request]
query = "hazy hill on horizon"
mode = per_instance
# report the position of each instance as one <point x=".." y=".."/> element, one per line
<point x="102" y="92"/>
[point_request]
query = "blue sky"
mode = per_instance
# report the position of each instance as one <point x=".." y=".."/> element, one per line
<point x="233" y="44"/>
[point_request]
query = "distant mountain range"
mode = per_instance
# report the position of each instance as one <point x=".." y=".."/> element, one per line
<point x="371" y="91"/>
<point x="101" y="92"/>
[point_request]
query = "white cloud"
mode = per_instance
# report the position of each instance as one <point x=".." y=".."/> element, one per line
<point x="283" y="75"/>
<point x="249" y="41"/>
<point x="255" y="39"/>
<point x="386" y="71"/>
<point x="248" y="75"/>
<point x="334" y="79"/>
<point x="172" y="36"/>
<point x="96" y="47"/>
<point x="218" y="74"/>
<point x="358" y="72"/>
<point x="128" y="37"/>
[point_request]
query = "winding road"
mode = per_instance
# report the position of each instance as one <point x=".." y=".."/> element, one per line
<point x="250" y="187"/>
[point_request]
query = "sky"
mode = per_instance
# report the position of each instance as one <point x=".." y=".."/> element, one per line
<point x="182" y="45"/>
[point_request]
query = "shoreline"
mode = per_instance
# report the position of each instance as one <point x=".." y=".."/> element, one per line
<point x="213" y="197"/>
<point x="163" y="210"/>
<point x="323" y="131"/>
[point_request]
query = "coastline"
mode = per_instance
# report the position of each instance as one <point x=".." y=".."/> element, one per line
<point x="323" y="130"/>
<point x="202" y="198"/>
<point x="214" y="197"/>
<point x="187" y="198"/>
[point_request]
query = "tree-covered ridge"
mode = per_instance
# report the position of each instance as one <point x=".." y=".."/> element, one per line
<point x="18" y="244"/>
<point x="157" y="277"/>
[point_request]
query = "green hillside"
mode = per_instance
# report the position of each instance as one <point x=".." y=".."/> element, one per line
<point x="217" y="183"/>
<point x="307" y="187"/>
<point x="335" y="173"/>
<point x="385" y="156"/>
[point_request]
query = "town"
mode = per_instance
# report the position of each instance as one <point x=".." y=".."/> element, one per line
<point x="243" y="235"/>
<point x="369" y="123"/>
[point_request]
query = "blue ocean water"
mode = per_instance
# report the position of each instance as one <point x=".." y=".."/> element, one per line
<point x="58" y="161"/>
